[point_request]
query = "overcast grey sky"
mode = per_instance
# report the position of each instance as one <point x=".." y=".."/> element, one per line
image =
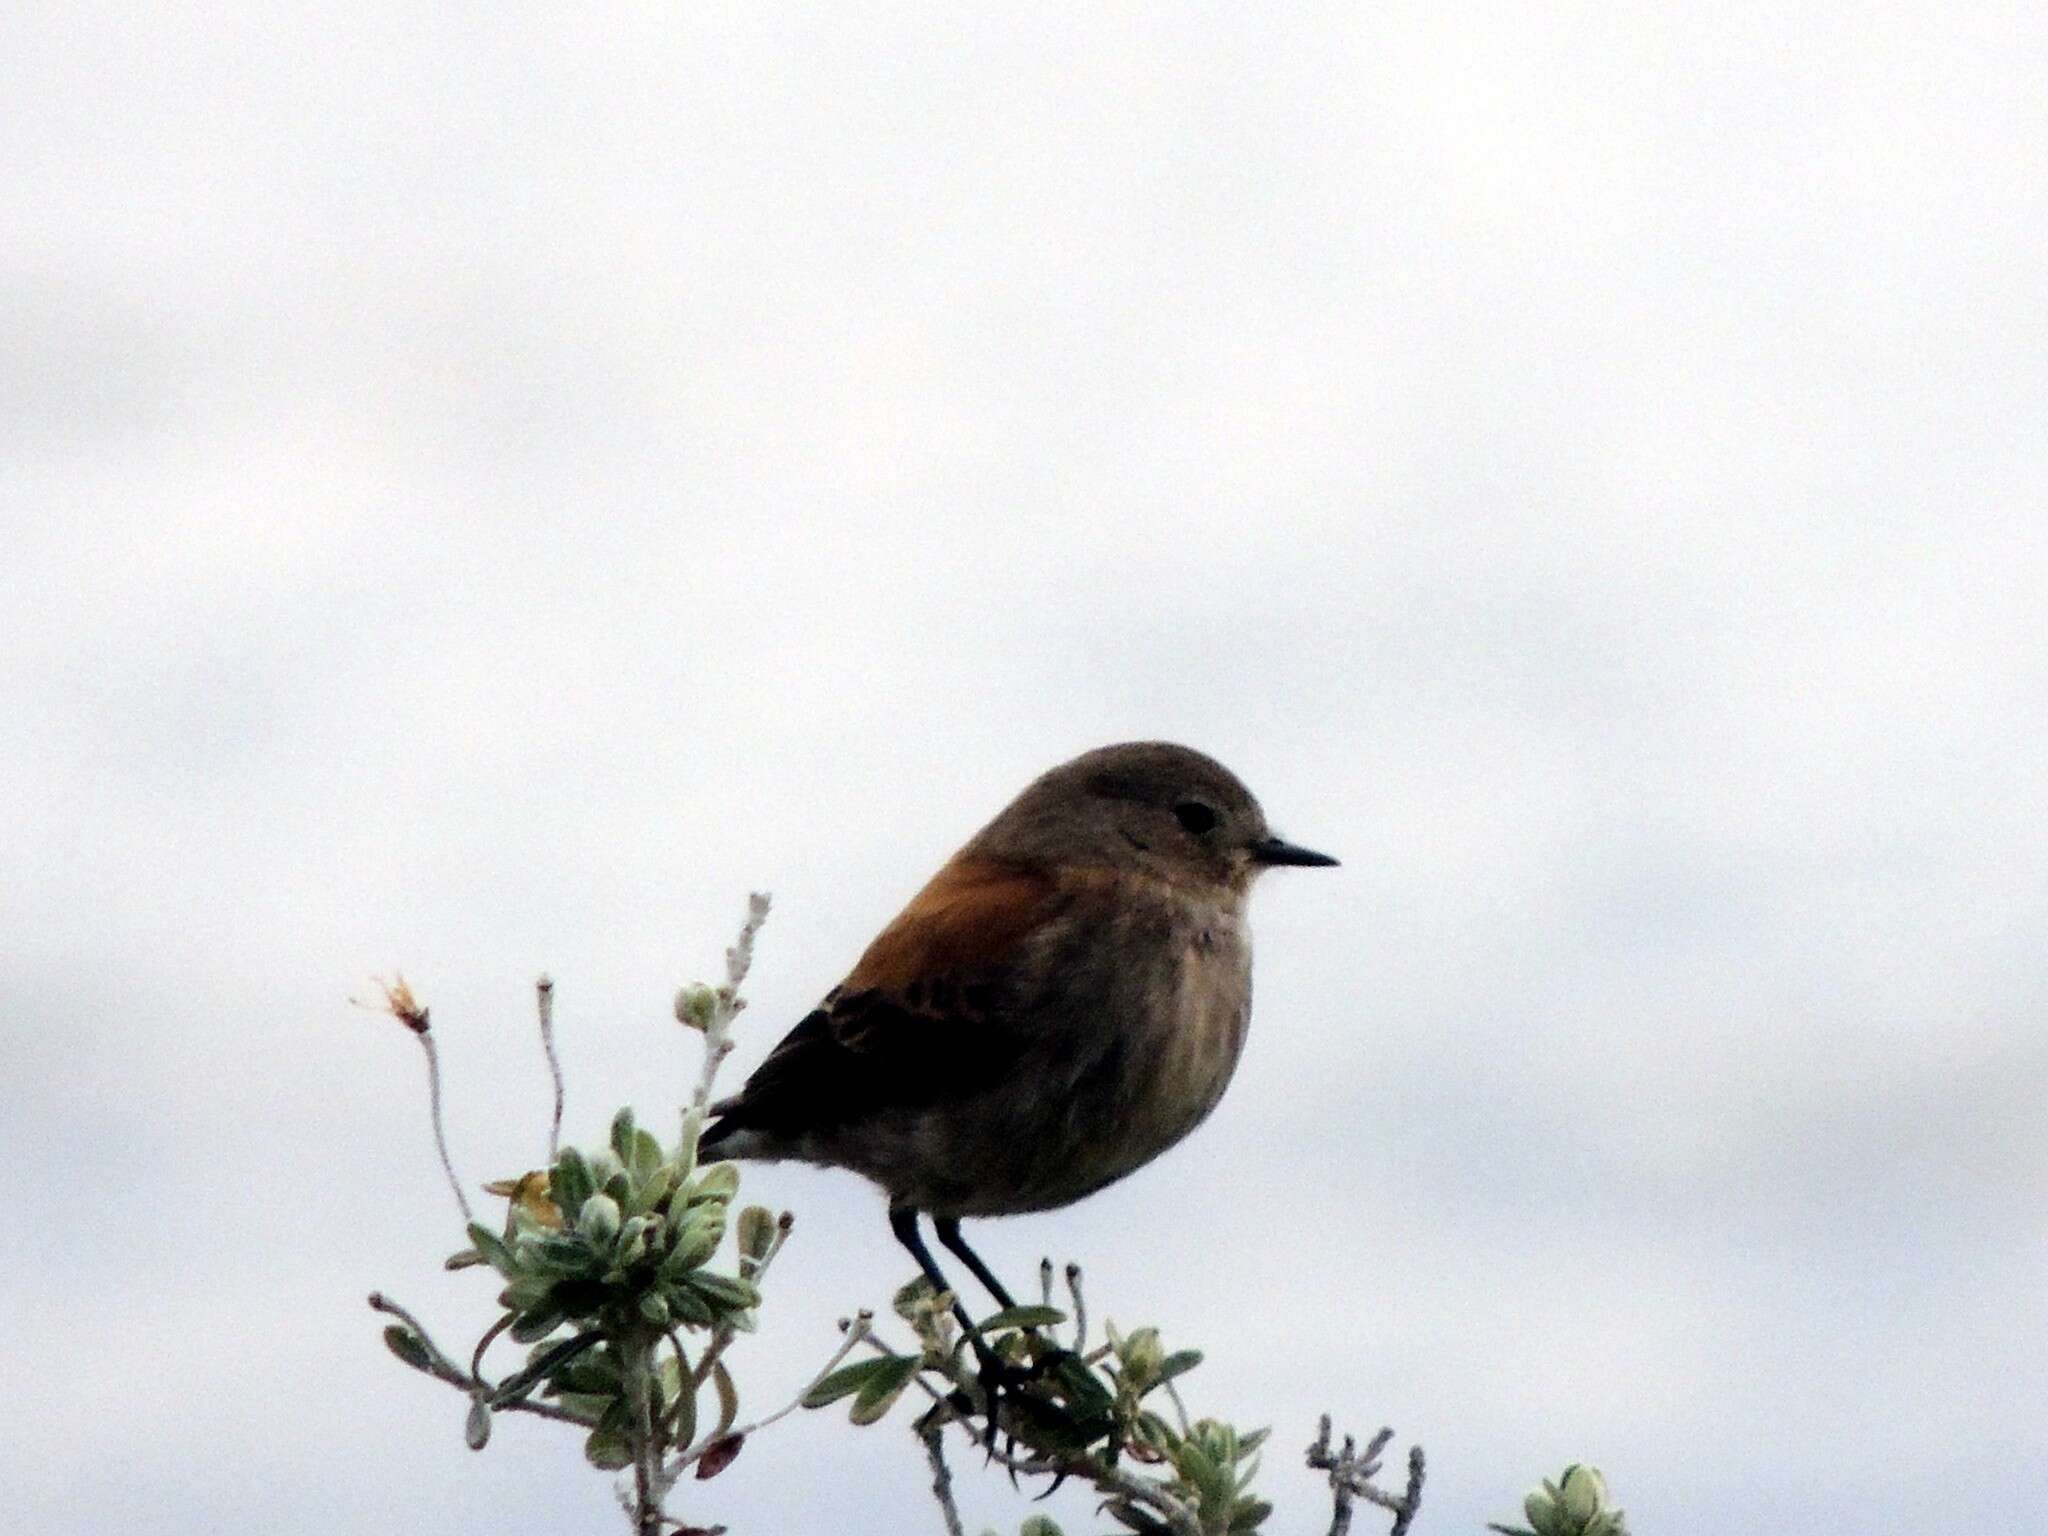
<point x="485" y="486"/>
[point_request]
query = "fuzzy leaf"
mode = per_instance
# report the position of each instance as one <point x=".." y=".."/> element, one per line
<point x="570" y="1183"/>
<point x="622" y="1136"/>
<point x="643" y="1157"/>
<point x="716" y="1181"/>
<point x="1249" y="1516"/>
<point x="879" y="1392"/>
<point x="1022" y="1317"/>
<point x="728" y="1396"/>
<point x="724" y="1290"/>
<point x="718" y="1456"/>
<point x="684" y="1406"/>
<point x="561" y="1255"/>
<point x="701" y="1233"/>
<point x="408" y="1346"/>
<point x="756" y="1231"/>
<point x="525" y="1293"/>
<point x="845" y="1380"/>
<point x="537" y="1324"/>
<point x="493" y="1250"/>
<point x="598" y="1220"/>
<point x="608" y="1449"/>
<point x="1179" y="1363"/>
<point x="912" y="1298"/>
<point x="687" y="1307"/>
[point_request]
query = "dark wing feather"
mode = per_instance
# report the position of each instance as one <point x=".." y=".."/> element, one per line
<point x="928" y="1014"/>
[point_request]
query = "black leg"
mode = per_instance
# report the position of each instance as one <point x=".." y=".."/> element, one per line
<point x="903" y="1222"/>
<point x="948" y="1228"/>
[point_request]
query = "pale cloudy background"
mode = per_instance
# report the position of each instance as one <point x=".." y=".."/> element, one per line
<point x="485" y="485"/>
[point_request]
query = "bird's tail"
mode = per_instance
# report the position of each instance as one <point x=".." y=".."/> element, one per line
<point x="719" y="1133"/>
<point x="730" y="1133"/>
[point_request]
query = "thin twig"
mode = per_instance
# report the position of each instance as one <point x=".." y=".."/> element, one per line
<point x="1080" y="1309"/>
<point x="933" y="1436"/>
<point x="544" y="998"/>
<point x="542" y="1366"/>
<point x="404" y="1007"/>
<point x="1107" y="1479"/>
<point x="647" y="1498"/>
<point x="708" y="1361"/>
<point x="441" y="1368"/>
<point x="856" y="1331"/>
<point x="1180" y="1409"/>
<point x="726" y="1004"/>
<point x="440" y="1134"/>
<point x="476" y="1361"/>
<point x="1351" y="1472"/>
<point x="723" y="1337"/>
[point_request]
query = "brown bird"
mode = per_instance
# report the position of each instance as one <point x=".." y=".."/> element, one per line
<point x="1064" y="1001"/>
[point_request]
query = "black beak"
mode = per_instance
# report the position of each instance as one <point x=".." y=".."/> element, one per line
<point x="1275" y="850"/>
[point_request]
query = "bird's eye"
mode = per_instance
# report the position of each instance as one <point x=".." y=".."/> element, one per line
<point x="1195" y="816"/>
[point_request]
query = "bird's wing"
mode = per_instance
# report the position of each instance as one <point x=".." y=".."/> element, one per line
<point x="927" y="1014"/>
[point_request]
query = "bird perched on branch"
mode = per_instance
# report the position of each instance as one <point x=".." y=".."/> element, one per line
<point x="1064" y="1001"/>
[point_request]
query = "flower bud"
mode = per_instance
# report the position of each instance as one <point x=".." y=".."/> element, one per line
<point x="599" y="1220"/>
<point x="696" y="1006"/>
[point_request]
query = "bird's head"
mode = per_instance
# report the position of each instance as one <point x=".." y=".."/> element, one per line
<point x="1167" y="811"/>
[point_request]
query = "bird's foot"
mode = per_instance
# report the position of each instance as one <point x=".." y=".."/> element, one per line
<point x="1028" y="1403"/>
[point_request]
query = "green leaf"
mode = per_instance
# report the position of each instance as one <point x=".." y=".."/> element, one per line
<point x="467" y="1258"/>
<point x="408" y="1346"/>
<point x="525" y="1293"/>
<point x="537" y="1324"/>
<point x="1039" y="1525"/>
<point x="686" y="1148"/>
<point x="1249" y="1515"/>
<point x="654" y="1309"/>
<point x="716" y="1181"/>
<point x="1082" y="1385"/>
<point x="608" y="1449"/>
<point x="592" y="1372"/>
<point x="588" y="1407"/>
<point x="1541" y="1510"/>
<point x="696" y="1240"/>
<point x="570" y="1182"/>
<point x="879" y="1392"/>
<point x="622" y="1136"/>
<point x="682" y="1398"/>
<point x="847" y="1379"/>
<point x="686" y="1306"/>
<point x="1022" y="1317"/>
<point x="476" y="1430"/>
<point x="724" y="1291"/>
<point x="598" y="1220"/>
<point x="912" y="1298"/>
<point x="728" y="1396"/>
<point x="643" y="1157"/>
<point x="557" y="1255"/>
<point x="1179" y="1363"/>
<point x="493" y="1251"/>
<point x="757" y="1232"/>
<point x="651" y="1190"/>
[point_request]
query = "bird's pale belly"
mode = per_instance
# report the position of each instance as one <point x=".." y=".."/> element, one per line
<point x="1110" y="1099"/>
